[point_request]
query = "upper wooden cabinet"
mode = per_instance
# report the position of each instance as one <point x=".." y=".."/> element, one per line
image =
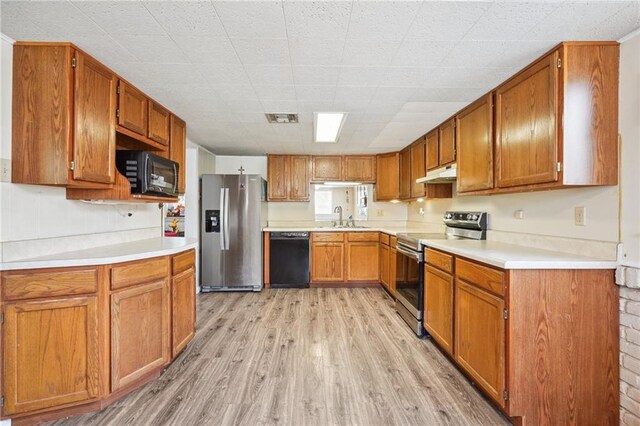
<point x="405" y="173"/>
<point x="326" y="168"/>
<point x="432" y="149"/>
<point x="178" y="149"/>
<point x="360" y="168"/>
<point x="418" y="170"/>
<point x="63" y="124"/>
<point x="447" y="143"/>
<point x="545" y="136"/>
<point x="133" y="108"/>
<point x="159" y="123"/>
<point x="474" y="133"/>
<point x="288" y="177"/>
<point x="388" y="177"/>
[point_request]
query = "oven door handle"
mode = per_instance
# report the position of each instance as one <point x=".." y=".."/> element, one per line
<point x="412" y="254"/>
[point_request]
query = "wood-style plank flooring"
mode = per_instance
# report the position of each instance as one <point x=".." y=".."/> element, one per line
<point x="302" y="357"/>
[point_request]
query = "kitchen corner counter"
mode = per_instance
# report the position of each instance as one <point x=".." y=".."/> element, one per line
<point x="387" y="230"/>
<point x="103" y="255"/>
<point x="511" y="256"/>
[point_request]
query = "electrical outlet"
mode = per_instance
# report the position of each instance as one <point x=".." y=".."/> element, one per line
<point x="421" y="211"/>
<point x="580" y="216"/>
<point x="5" y="170"/>
<point x="379" y="212"/>
<point x="519" y="214"/>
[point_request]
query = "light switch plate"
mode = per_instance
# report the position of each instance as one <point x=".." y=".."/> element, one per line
<point x="5" y="170"/>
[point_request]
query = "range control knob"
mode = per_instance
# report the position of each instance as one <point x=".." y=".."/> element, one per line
<point x="448" y="216"/>
<point x="469" y="216"/>
<point x="474" y="217"/>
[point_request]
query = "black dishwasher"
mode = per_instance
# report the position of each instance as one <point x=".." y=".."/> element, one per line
<point x="289" y="259"/>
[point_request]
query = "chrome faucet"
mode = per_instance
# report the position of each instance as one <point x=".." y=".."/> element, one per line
<point x="338" y="210"/>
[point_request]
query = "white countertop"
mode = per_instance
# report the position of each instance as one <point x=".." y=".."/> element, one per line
<point x="103" y="255"/>
<point x="501" y="255"/>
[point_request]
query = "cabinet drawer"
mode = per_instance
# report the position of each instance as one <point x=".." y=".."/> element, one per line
<point x="32" y="285"/>
<point x="132" y="273"/>
<point x="440" y="260"/>
<point x="393" y="241"/>
<point x="362" y="236"/>
<point x="183" y="261"/>
<point x="328" y="236"/>
<point x="384" y="239"/>
<point x="481" y="276"/>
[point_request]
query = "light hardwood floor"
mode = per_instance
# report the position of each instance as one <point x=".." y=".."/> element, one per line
<point x="303" y="357"/>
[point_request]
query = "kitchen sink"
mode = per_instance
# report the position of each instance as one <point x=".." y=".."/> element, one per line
<point x="343" y="227"/>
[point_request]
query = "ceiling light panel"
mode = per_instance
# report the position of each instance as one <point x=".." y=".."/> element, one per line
<point x="328" y="126"/>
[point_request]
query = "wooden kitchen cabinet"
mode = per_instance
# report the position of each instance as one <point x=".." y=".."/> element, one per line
<point x="183" y="310"/>
<point x="64" y="105"/>
<point x="359" y="168"/>
<point x="326" y="168"/>
<point x="327" y="257"/>
<point x="431" y="144"/>
<point x="405" y="173"/>
<point x="438" y="298"/>
<point x="418" y="159"/>
<point x="51" y="354"/>
<point x="159" y="123"/>
<point x="288" y="177"/>
<point x="133" y="108"/>
<point x="474" y="134"/>
<point x="562" y="144"/>
<point x="362" y="256"/>
<point x="447" y="143"/>
<point x="178" y="149"/>
<point x="388" y="177"/>
<point x="385" y="269"/>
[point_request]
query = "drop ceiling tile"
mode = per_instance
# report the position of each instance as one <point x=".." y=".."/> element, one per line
<point x="316" y="75"/>
<point x="280" y="93"/>
<point x="207" y="49"/>
<point x="362" y="76"/>
<point x="270" y="74"/>
<point x="510" y="21"/>
<point x="152" y="74"/>
<point x="315" y="93"/>
<point x="354" y="93"/>
<point x="186" y="17"/>
<point x="121" y="17"/>
<point x="152" y="48"/>
<point x="369" y="52"/>
<point x="306" y="109"/>
<point x="381" y="20"/>
<point x="236" y="105"/>
<point x="262" y="51"/>
<point x="446" y="20"/>
<point x="317" y="19"/>
<point x="316" y="51"/>
<point x="221" y="76"/>
<point x="105" y="49"/>
<point x="495" y="53"/>
<point x="237" y="92"/>
<point x="626" y="20"/>
<point x="422" y="53"/>
<point x="274" y="106"/>
<point x="252" y="19"/>
<point x="58" y="17"/>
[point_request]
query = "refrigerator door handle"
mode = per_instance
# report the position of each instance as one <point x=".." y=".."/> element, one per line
<point x="222" y="220"/>
<point x="226" y="218"/>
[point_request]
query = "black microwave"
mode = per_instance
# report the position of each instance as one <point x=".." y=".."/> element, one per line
<point x="148" y="173"/>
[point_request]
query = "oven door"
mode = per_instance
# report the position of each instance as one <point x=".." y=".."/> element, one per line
<point x="410" y="286"/>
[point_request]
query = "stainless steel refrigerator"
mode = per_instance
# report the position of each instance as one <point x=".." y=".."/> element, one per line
<point x="234" y="211"/>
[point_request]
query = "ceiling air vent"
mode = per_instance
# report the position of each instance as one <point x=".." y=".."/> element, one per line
<point x="282" y="118"/>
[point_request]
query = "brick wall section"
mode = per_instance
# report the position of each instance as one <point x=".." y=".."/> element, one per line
<point x="630" y="356"/>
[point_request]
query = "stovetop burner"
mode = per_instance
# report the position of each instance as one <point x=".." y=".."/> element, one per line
<point x="460" y="226"/>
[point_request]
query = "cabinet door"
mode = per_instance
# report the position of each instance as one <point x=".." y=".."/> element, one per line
<point x="299" y="178"/>
<point x="474" y="135"/>
<point x="438" y="307"/>
<point x="278" y="176"/>
<point x="447" y="143"/>
<point x="433" y="159"/>
<point x="480" y="338"/>
<point x="94" y="144"/>
<point x="132" y="108"/>
<point x="178" y="149"/>
<point x="139" y="332"/>
<point x="50" y="353"/>
<point x="327" y="262"/>
<point x="388" y="176"/>
<point x="526" y="137"/>
<point x="405" y="173"/>
<point x="392" y="270"/>
<point x="183" y="310"/>
<point x="418" y="168"/>
<point x="384" y="265"/>
<point x="326" y="168"/>
<point x="360" y="168"/>
<point x="362" y="261"/>
<point x="159" y="123"/>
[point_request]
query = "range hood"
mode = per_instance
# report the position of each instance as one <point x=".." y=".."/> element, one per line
<point x="446" y="174"/>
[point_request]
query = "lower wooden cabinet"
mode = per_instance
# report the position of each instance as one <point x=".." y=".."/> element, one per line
<point x="50" y="351"/>
<point x="480" y="338"/>
<point x="183" y="310"/>
<point x="393" y="273"/>
<point x="438" y="306"/>
<point x="327" y="261"/>
<point x="384" y="265"/>
<point x="362" y="261"/>
<point x="139" y="332"/>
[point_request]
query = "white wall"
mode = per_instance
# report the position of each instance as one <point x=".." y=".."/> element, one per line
<point x="35" y="220"/>
<point x="252" y="165"/>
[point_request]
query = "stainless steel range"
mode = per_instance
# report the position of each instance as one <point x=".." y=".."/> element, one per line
<point x="410" y="262"/>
